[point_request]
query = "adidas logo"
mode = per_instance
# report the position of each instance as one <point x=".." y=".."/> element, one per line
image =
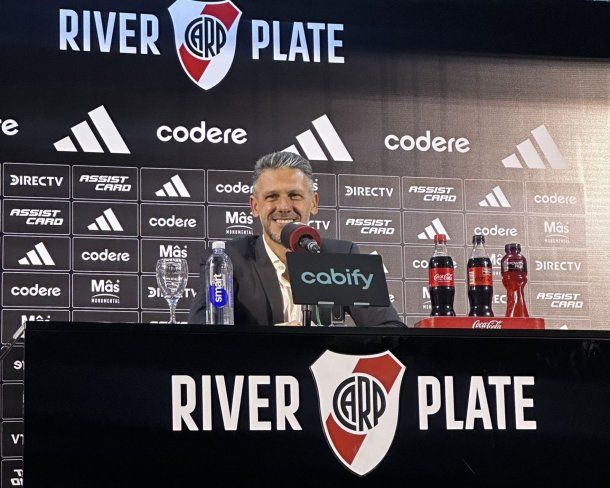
<point x="39" y="256"/>
<point x="436" y="227"/>
<point x="84" y="135"/>
<point x="173" y="188"/>
<point x="106" y="222"/>
<point x="495" y="199"/>
<point x="331" y="140"/>
<point x="530" y="155"/>
<point x="375" y="253"/>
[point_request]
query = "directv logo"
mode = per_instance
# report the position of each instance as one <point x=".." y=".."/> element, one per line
<point x="531" y="157"/>
<point x="106" y="222"/>
<point x="173" y="188"/>
<point x="39" y="256"/>
<point x="87" y="139"/>
<point x="495" y="199"/>
<point x="436" y="227"/>
<point x="330" y="138"/>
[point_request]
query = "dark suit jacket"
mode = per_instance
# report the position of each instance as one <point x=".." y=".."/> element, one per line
<point x="258" y="299"/>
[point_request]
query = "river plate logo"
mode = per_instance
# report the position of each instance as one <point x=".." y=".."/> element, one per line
<point x="359" y="404"/>
<point x="206" y="38"/>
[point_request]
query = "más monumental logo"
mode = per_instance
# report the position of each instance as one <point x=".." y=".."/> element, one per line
<point x="206" y="35"/>
<point x="359" y="404"/>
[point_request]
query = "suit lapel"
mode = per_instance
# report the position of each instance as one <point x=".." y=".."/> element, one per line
<point x="268" y="277"/>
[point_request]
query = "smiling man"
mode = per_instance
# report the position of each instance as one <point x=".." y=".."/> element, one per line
<point x="282" y="192"/>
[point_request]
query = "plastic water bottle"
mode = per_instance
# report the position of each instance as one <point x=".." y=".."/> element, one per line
<point x="219" y="287"/>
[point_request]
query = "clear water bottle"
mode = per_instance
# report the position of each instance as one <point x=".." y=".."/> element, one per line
<point x="219" y="287"/>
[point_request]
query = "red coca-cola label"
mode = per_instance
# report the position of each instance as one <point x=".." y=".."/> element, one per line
<point x="440" y="277"/>
<point x="480" y="276"/>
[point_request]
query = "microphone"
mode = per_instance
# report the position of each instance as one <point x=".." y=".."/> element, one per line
<point x="299" y="237"/>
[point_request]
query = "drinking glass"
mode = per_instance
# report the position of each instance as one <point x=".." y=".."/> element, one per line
<point x="172" y="275"/>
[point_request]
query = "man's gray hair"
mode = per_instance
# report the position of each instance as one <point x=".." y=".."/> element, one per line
<point x="282" y="159"/>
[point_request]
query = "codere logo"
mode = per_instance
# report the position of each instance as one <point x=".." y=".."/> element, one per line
<point x="39" y="256"/>
<point x="530" y="156"/>
<point x="329" y="138"/>
<point x="86" y="138"/>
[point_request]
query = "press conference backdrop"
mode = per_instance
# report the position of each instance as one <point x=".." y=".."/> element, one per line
<point x="128" y="131"/>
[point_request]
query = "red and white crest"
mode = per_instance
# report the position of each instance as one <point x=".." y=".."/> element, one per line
<point x="206" y="38"/>
<point x="359" y="405"/>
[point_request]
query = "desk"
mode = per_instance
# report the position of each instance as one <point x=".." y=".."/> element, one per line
<point x="108" y="406"/>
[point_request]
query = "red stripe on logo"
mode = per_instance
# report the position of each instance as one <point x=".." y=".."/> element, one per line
<point x="195" y="67"/>
<point x="225" y="12"/>
<point x="346" y="443"/>
<point x="384" y="368"/>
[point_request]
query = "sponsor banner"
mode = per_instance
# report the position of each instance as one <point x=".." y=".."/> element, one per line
<point x="172" y="220"/>
<point x="230" y="222"/>
<point x="105" y="291"/>
<point x="557" y="231"/>
<point x="567" y="324"/>
<point x="105" y="254"/>
<point x="12" y="446"/>
<point x="445" y="194"/>
<point x="370" y="226"/>
<point x="12" y="471"/>
<point x="13" y="365"/>
<point x="417" y="260"/>
<point x="105" y="219"/>
<point x="418" y="298"/>
<point x="163" y="317"/>
<point x="395" y="291"/>
<point x="172" y="185"/>
<point x="44" y="253"/>
<point x="564" y="265"/>
<point x="326" y="186"/>
<point x="497" y="229"/>
<point x="369" y="191"/>
<point x="229" y="186"/>
<point x="105" y="182"/>
<point x="325" y="222"/>
<point x="36" y="217"/>
<point x="155" y="249"/>
<point x="33" y="290"/>
<point x="420" y="227"/>
<point x="36" y="180"/>
<point x="494" y="196"/>
<point x="108" y="316"/>
<point x="566" y="300"/>
<point x="391" y="256"/>
<point x="152" y="296"/>
<point x="555" y="198"/>
<point x="12" y="401"/>
<point x="13" y="319"/>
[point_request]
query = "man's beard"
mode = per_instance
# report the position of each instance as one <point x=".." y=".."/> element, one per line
<point x="267" y="229"/>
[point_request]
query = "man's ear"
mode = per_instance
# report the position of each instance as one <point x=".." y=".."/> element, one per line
<point x="254" y="206"/>
<point x="314" y="207"/>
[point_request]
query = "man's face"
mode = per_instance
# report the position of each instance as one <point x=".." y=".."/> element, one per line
<point x="282" y="196"/>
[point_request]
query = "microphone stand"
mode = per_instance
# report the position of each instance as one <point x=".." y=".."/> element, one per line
<point x="306" y="310"/>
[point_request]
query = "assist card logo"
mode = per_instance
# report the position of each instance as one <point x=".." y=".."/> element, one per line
<point x="359" y="405"/>
<point x="206" y="35"/>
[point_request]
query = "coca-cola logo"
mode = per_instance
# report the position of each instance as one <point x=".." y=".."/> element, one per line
<point x="490" y="324"/>
<point x="443" y="277"/>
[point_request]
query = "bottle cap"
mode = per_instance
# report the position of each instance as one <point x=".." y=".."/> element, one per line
<point x="513" y="246"/>
<point x="440" y="238"/>
<point x="478" y="239"/>
<point x="218" y="245"/>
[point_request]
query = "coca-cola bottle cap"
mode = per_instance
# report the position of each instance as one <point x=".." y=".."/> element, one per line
<point x="478" y="239"/>
<point x="440" y="238"/>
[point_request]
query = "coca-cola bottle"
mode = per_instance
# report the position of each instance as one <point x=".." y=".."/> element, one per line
<point x="514" y="278"/>
<point x="440" y="279"/>
<point x="480" y="280"/>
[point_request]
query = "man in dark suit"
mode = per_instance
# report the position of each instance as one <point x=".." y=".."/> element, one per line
<point x="282" y="192"/>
